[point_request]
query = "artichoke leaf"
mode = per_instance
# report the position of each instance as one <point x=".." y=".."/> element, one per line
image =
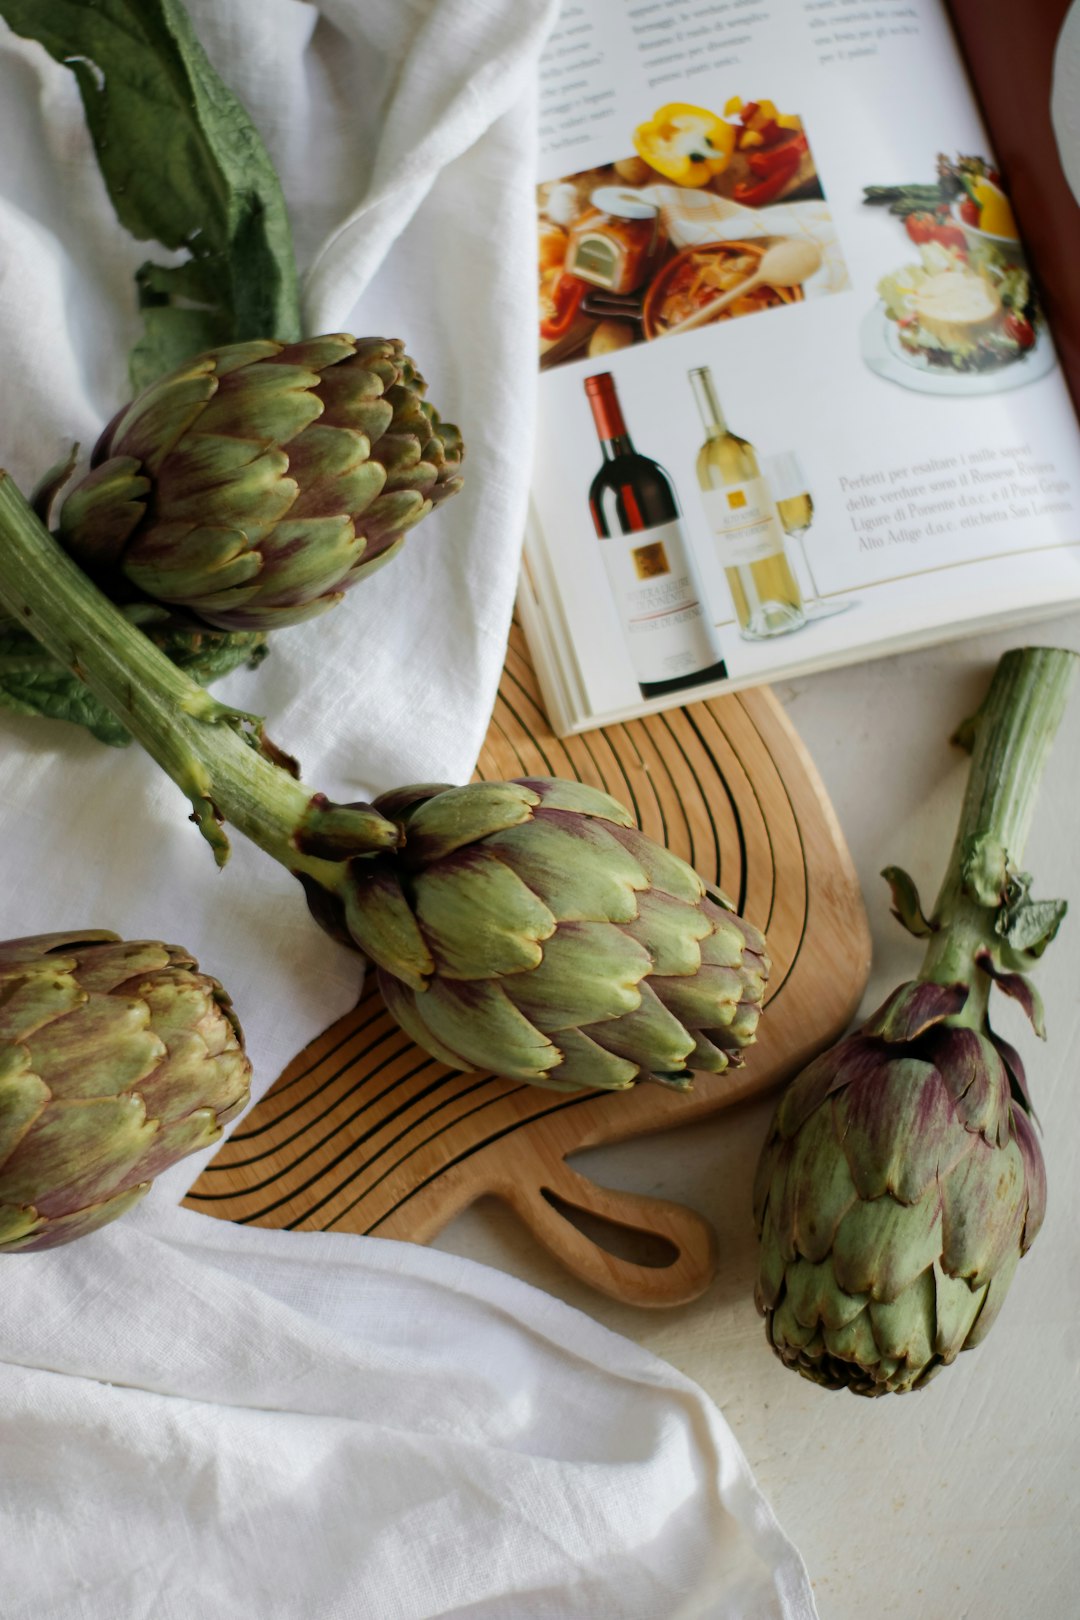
<point x="589" y="971"/>
<point x="479" y="920"/>
<point x="447" y="821"/>
<point x="580" y="872"/>
<point x="475" y="1019"/>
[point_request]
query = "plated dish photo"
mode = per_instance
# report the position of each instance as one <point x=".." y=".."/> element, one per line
<point x="961" y="315"/>
<point x="628" y="250"/>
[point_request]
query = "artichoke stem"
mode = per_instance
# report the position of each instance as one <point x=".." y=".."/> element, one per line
<point x="1011" y="737"/>
<point x="211" y="752"/>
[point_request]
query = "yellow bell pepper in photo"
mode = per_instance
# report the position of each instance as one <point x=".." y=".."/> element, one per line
<point x="686" y="144"/>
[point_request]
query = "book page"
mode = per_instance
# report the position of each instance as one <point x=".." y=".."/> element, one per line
<point x="798" y="402"/>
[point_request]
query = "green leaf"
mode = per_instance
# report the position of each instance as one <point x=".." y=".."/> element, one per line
<point x="985" y="870"/>
<point x="184" y="167"/>
<point x="1027" y="926"/>
<point x="207" y="655"/>
<point x="906" y="906"/>
<point x="1030" y="926"/>
<point x="33" y="682"/>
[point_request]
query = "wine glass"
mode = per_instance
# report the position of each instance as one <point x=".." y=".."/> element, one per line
<point x="795" y="509"/>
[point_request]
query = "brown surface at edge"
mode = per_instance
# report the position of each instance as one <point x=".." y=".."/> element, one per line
<point x="1009" y="53"/>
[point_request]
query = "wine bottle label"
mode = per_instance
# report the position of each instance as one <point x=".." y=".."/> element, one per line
<point x="744" y="521"/>
<point x="655" y="592"/>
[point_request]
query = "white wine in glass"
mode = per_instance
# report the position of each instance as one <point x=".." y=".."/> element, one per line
<point x="795" y="509"/>
<point x="742" y="515"/>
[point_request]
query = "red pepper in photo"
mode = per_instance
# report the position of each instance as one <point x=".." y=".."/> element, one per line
<point x="567" y="294"/>
<point x="766" y="190"/>
<point x="763" y="164"/>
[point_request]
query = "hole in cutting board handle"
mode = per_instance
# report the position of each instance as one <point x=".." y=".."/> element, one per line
<point x="630" y="1243"/>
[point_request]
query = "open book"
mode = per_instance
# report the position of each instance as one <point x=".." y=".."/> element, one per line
<point x="800" y="401"/>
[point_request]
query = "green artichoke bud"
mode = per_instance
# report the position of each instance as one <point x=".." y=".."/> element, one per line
<point x="900" y="1186"/>
<point x="902" y="1180"/>
<point x="116" y="1059"/>
<point x="253" y="485"/>
<point x="528" y="927"/>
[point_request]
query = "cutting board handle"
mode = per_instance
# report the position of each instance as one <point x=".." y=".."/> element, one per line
<point x="675" y="1247"/>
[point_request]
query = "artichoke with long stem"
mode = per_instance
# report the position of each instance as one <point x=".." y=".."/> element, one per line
<point x="524" y="927"/>
<point x="902" y="1179"/>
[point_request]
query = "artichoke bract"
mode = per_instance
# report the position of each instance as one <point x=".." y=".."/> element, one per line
<point x="255" y="484"/>
<point x="902" y="1179"/>
<point x="116" y="1059"/>
<point x="528" y="927"/>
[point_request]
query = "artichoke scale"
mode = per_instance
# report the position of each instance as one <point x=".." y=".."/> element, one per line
<point x="587" y="1066"/>
<point x="580" y="872"/>
<point x="269" y="401"/>
<point x="40" y="1233"/>
<point x="649" y="1036"/>
<point x="77" y="1153"/>
<point x="882" y="1246"/>
<point x="157" y="420"/>
<point x="381" y="923"/>
<point x="101" y="1049"/>
<point x="31" y="999"/>
<point x="213" y="481"/>
<point x="23" y="1098"/>
<point x="671" y="931"/>
<point x="899" y="1129"/>
<point x="449" y="820"/>
<point x="557" y="793"/>
<point x="478" y="1021"/>
<point x="664" y="870"/>
<point x="182" y="562"/>
<point x="588" y="972"/>
<point x="479" y="919"/>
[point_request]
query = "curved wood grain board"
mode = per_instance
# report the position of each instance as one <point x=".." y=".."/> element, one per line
<point x="366" y="1133"/>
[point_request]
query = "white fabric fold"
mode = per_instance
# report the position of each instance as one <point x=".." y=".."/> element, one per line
<point x="234" y="1423"/>
<point x="201" y="1419"/>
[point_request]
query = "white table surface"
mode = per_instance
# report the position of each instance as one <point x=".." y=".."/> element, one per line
<point x="962" y="1500"/>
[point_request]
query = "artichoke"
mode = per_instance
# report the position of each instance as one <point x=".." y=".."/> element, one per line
<point x="253" y="485"/>
<point x="116" y="1059"/>
<point x="902" y="1180"/>
<point x="530" y="928"/>
<point x="526" y="927"/>
<point x="901" y="1184"/>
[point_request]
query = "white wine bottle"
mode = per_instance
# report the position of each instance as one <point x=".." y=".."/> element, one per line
<point x="742" y="515"/>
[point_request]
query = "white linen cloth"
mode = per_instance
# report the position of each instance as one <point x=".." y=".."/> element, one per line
<point x="196" y="1418"/>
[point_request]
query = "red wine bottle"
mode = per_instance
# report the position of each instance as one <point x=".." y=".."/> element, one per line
<point x="648" y="559"/>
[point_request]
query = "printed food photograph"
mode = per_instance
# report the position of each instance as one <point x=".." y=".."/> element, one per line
<point x="714" y="215"/>
<point x="961" y="315"/>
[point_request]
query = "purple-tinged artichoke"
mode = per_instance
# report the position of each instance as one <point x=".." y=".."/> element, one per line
<point x="116" y="1059"/>
<point x="524" y="927"/>
<point x="902" y="1180"/>
<point x="901" y="1184"/>
<point x="530" y="928"/>
<point x="256" y="483"/>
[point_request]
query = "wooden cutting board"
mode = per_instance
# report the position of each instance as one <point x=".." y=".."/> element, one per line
<point x="366" y="1133"/>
